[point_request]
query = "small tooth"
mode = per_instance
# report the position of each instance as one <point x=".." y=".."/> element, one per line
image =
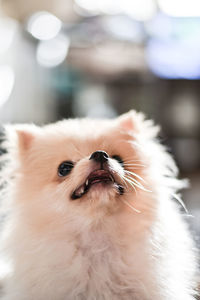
<point x="81" y="190"/>
<point x="78" y="193"/>
<point x="87" y="182"/>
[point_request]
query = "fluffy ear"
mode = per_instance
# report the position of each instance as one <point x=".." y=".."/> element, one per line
<point x="129" y="121"/>
<point x="25" y="139"/>
<point x="25" y="136"/>
<point x="135" y="123"/>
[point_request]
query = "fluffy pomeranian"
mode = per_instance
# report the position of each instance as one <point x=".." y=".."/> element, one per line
<point x="91" y="214"/>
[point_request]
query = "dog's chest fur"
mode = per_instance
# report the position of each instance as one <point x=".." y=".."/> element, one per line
<point x="93" y="265"/>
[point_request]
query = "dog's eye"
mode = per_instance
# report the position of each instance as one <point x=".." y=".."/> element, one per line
<point x="119" y="159"/>
<point x="65" y="168"/>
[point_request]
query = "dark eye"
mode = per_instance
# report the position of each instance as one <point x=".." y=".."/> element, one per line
<point x="119" y="159"/>
<point x="65" y="168"/>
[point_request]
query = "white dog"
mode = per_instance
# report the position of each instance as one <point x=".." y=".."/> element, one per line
<point x="92" y="216"/>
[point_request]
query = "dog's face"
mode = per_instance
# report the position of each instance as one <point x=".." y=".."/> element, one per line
<point x="80" y="170"/>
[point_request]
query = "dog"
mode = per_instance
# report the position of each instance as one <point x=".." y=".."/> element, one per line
<point x="92" y="213"/>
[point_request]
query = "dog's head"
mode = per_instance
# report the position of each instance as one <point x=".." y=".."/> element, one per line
<point x="83" y="169"/>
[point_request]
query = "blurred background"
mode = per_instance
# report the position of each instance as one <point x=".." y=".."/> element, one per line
<point x="66" y="58"/>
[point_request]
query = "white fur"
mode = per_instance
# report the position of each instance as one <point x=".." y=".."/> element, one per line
<point x="98" y="248"/>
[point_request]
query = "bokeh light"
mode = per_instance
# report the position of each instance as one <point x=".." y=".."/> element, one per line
<point x="53" y="52"/>
<point x="7" y="79"/>
<point x="7" y="31"/>
<point x="44" y="26"/>
<point x="174" y="46"/>
<point x="141" y="10"/>
<point x="170" y="59"/>
<point x="180" y="8"/>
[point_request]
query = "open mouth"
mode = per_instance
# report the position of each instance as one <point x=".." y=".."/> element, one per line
<point x="97" y="176"/>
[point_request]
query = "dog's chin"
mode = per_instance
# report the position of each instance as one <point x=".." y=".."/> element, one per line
<point x="102" y="197"/>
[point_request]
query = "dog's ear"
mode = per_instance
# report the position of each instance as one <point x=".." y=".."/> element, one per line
<point x="126" y="121"/>
<point x="129" y="121"/>
<point x="135" y="123"/>
<point x="25" y="139"/>
<point x="26" y="134"/>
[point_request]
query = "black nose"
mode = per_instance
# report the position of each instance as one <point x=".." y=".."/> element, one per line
<point x="99" y="156"/>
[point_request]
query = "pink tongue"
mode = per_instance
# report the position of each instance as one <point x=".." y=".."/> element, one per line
<point x="99" y="175"/>
<point x="97" y="180"/>
<point x="95" y="177"/>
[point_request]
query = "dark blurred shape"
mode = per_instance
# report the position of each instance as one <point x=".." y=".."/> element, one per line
<point x="2" y="139"/>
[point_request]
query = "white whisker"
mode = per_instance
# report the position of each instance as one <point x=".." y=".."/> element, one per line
<point x="124" y="181"/>
<point x="131" y="183"/>
<point x="181" y="202"/>
<point x="138" y="184"/>
<point x="132" y="159"/>
<point x="133" y="208"/>
<point x="134" y="165"/>
<point x="136" y="175"/>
